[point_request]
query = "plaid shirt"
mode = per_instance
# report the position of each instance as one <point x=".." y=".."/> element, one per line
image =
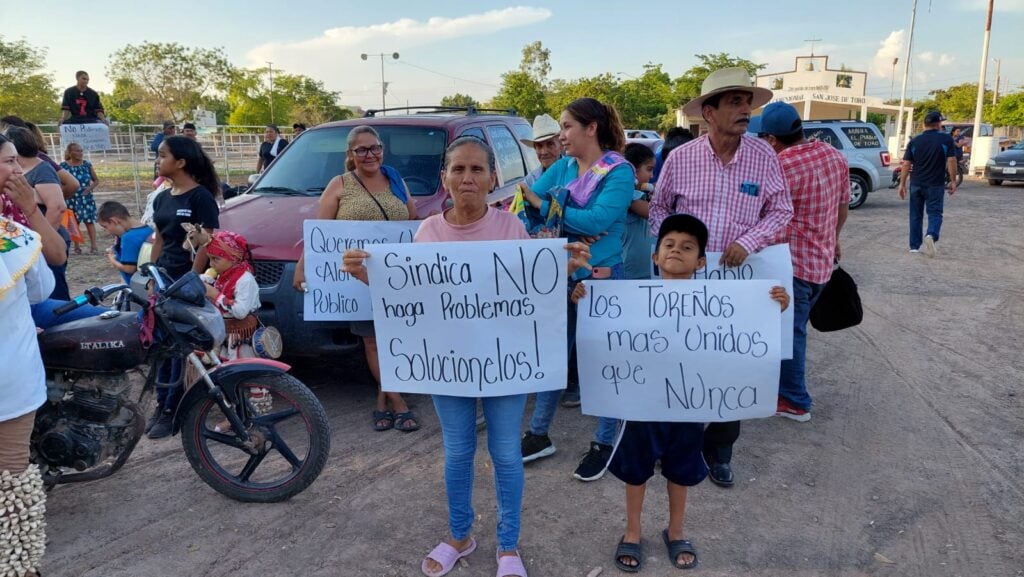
<point x="819" y="183"/>
<point x="745" y="201"/>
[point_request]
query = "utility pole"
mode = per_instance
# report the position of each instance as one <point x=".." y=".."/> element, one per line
<point x="270" y="71"/>
<point x="995" y="93"/>
<point x="906" y="72"/>
<point x="976" y="159"/>
<point x="813" y="41"/>
<point x="383" y="84"/>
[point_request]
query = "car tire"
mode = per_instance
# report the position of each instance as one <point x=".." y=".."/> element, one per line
<point x="858" y="191"/>
<point x="994" y="182"/>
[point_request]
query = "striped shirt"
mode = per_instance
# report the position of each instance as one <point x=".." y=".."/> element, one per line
<point x="819" y="183"/>
<point x="745" y="201"/>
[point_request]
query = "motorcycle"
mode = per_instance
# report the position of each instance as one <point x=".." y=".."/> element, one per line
<point x="961" y="170"/>
<point x="249" y="429"/>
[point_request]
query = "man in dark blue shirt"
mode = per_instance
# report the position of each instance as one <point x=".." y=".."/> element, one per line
<point x="931" y="155"/>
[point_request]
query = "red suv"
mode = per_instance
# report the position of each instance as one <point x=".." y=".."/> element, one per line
<point x="271" y="212"/>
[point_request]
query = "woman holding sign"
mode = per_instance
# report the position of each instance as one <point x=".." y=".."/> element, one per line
<point x="600" y="189"/>
<point x="368" y="191"/>
<point x="469" y="176"/>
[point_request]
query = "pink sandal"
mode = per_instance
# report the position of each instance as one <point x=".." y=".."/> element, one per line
<point x="510" y="565"/>
<point x="445" y="555"/>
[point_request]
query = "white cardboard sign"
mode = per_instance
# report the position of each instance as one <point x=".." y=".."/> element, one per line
<point x="92" y="137"/>
<point x="679" y="350"/>
<point x="333" y="295"/>
<point x="470" y="319"/>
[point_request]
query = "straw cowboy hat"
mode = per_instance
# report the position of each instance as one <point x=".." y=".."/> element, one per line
<point x="727" y="80"/>
<point x="544" y="128"/>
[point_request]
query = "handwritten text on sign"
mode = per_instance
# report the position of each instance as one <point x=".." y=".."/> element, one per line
<point x="470" y="319"/>
<point x="333" y="295"/>
<point x="773" y="262"/>
<point x="679" y="350"/>
<point x="91" y="137"/>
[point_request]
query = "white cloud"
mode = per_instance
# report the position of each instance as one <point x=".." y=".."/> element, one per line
<point x="926" y="57"/>
<point x="946" y="60"/>
<point x="890" y="48"/>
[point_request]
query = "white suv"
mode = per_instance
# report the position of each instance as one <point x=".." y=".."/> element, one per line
<point x="862" y="145"/>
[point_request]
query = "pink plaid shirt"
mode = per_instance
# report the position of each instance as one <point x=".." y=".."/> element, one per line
<point x="819" y="183"/>
<point x="745" y="201"/>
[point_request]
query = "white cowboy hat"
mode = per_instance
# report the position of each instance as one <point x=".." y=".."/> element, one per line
<point x="727" y="80"/>
<point x="544" y="128"/>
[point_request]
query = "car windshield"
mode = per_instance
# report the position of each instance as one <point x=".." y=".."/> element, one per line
<point x="312" y="161"/>
<point x="1018" y="146"/>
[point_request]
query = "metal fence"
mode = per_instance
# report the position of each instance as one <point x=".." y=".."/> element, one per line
<point x="129" y="163"/>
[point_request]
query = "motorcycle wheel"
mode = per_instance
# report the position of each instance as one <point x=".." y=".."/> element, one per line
<point x="291" y="437"/>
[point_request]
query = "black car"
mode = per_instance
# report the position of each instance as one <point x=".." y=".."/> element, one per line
<point x="1007" y="165"/>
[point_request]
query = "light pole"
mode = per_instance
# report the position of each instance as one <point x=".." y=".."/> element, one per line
<point x="383" y="85"/>
<point x="270" y="71"/>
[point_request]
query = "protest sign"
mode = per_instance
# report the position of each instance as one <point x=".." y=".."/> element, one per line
<point x="679" y="350"/>
<point x="333" y="295"/>
<point x="91" y="137"/>
<point x="470" y="319"/>
<point x="773" y="262"/>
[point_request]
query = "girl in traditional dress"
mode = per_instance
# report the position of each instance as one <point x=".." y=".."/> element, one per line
<point x="234" y="292"/>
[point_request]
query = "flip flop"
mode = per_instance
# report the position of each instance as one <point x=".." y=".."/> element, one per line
<point x="446" y="556"/>
<point x="510" y="565"/>
<point x="402" y="421"/>
<point x="632" y="550"/>
<point x="677" y="547"/>
<point x="383" y="420"/>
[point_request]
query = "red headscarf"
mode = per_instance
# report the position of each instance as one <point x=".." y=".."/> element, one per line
<point x="233" y="247"/>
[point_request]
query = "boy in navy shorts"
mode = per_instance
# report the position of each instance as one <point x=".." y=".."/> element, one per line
<point x="680" y="252"/>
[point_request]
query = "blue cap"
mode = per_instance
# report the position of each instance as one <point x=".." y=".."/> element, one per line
<point x="780" y="119"/>
<point x="933" y="117"/>
<point x="755" y="125"/>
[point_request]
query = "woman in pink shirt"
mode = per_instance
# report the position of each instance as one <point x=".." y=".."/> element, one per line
<point x="469" y="175"/>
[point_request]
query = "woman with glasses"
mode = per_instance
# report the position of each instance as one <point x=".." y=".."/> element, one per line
<point x="369" y="191"/>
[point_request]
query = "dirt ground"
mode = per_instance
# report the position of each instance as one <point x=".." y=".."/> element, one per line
<point x="911" y="466"/>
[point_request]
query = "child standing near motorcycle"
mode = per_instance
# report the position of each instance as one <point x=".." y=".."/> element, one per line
<point x="234" y="291"/>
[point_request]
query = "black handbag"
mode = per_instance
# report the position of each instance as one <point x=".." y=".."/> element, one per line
<point x="839" y="306"/>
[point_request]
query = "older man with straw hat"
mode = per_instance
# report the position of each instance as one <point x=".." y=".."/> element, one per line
<point x="733" y="182"/>
<point x="545" y="142"/>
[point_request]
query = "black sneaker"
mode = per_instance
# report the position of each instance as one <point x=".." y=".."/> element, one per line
<point x="162" y="427"/>
<point x="536" y="447"/>
<point x="571" y="397"/>
<point x="152" y="418"/>
<point x="594" y="463"/>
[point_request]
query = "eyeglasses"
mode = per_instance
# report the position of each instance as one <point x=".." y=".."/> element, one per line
<point x="364" y="151"/>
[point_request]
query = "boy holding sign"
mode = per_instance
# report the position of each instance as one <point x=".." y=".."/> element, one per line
<point x="680" y="252"/>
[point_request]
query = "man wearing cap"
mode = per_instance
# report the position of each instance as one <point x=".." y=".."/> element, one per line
<point x="188" y="130"/>
<point x="818" y="178"/>
<point x="545" y="142"/>
<point x="733" y="182"/>
<point x="932" y="154"/>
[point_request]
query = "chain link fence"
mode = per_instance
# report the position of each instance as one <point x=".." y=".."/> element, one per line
<point x="129" y="164"/>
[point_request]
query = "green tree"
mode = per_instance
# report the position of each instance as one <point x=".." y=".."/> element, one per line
<point x="174" y="79"/>
<point x="536" y="62"/>
<point x="125" y="104"/>
<point x="603" y="87"/>
<point x="1009" y="111"/>
<point x="297" y="98"/>
<point x="956" y="103"/>
<point x="645" y="101"/>
<point x="521" y="92"/>
<point x="25" y="90"/>
<point x="459" y="99"/>
<point x="687" y="87"/>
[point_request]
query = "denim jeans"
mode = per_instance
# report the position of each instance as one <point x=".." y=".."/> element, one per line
<point x="792" y="384"/>
<point x="922" y="198"/>
<point x="61" y="291"/>
<point x="504" y="416"/>
<point x="547" y="402"/>
<point x="44" y="317"/>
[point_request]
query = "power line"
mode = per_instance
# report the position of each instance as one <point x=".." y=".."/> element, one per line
<point x="425" y="69"/>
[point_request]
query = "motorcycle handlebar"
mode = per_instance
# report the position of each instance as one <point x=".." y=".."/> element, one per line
<point x="152" y="271"/>
<point x="70" y="305"/>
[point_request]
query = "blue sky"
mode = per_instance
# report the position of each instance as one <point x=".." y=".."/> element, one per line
<point x="447" y="46"/>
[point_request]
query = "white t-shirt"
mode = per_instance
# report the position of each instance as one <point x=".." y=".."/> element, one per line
<point x="22" y="380"/>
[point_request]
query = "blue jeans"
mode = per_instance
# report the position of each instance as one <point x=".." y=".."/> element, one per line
<point x="792" y="384"/>
<point x="922" y="197"/>
<point x="504" y="416"/>
<point x="547" y="402"/>
<point x="44" y="317"/>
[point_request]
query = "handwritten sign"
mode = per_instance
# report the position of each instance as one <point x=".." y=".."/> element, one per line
<point x="91" y="137"/>
<point x="773" y="262"/>
<point x="470" y="319"/>
<point x="679" y="350"/>
<point x="333" y="295"/>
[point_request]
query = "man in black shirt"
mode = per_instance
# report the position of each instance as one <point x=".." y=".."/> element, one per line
<point x="81" y="104"/>
<point x="932" y="154"/>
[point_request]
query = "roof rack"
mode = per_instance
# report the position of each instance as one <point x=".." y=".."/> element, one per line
<point x="469" y="110"/>
<point x="837" y="120"/>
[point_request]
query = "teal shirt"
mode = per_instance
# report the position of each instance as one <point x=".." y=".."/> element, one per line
<point x="605" y="211"/>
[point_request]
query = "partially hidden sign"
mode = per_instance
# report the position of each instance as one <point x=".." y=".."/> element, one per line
<point x="92" y="137"/>
<point x="470" y="319"/>
<point x="679" y="350"/>
<point x="331" y="294"/>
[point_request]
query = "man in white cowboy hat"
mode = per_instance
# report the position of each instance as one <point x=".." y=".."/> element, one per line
<point x="733" y="182"/>
<point x="545" y="142"/>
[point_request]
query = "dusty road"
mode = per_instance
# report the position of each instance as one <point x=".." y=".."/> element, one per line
<point x="911" y="466"/>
